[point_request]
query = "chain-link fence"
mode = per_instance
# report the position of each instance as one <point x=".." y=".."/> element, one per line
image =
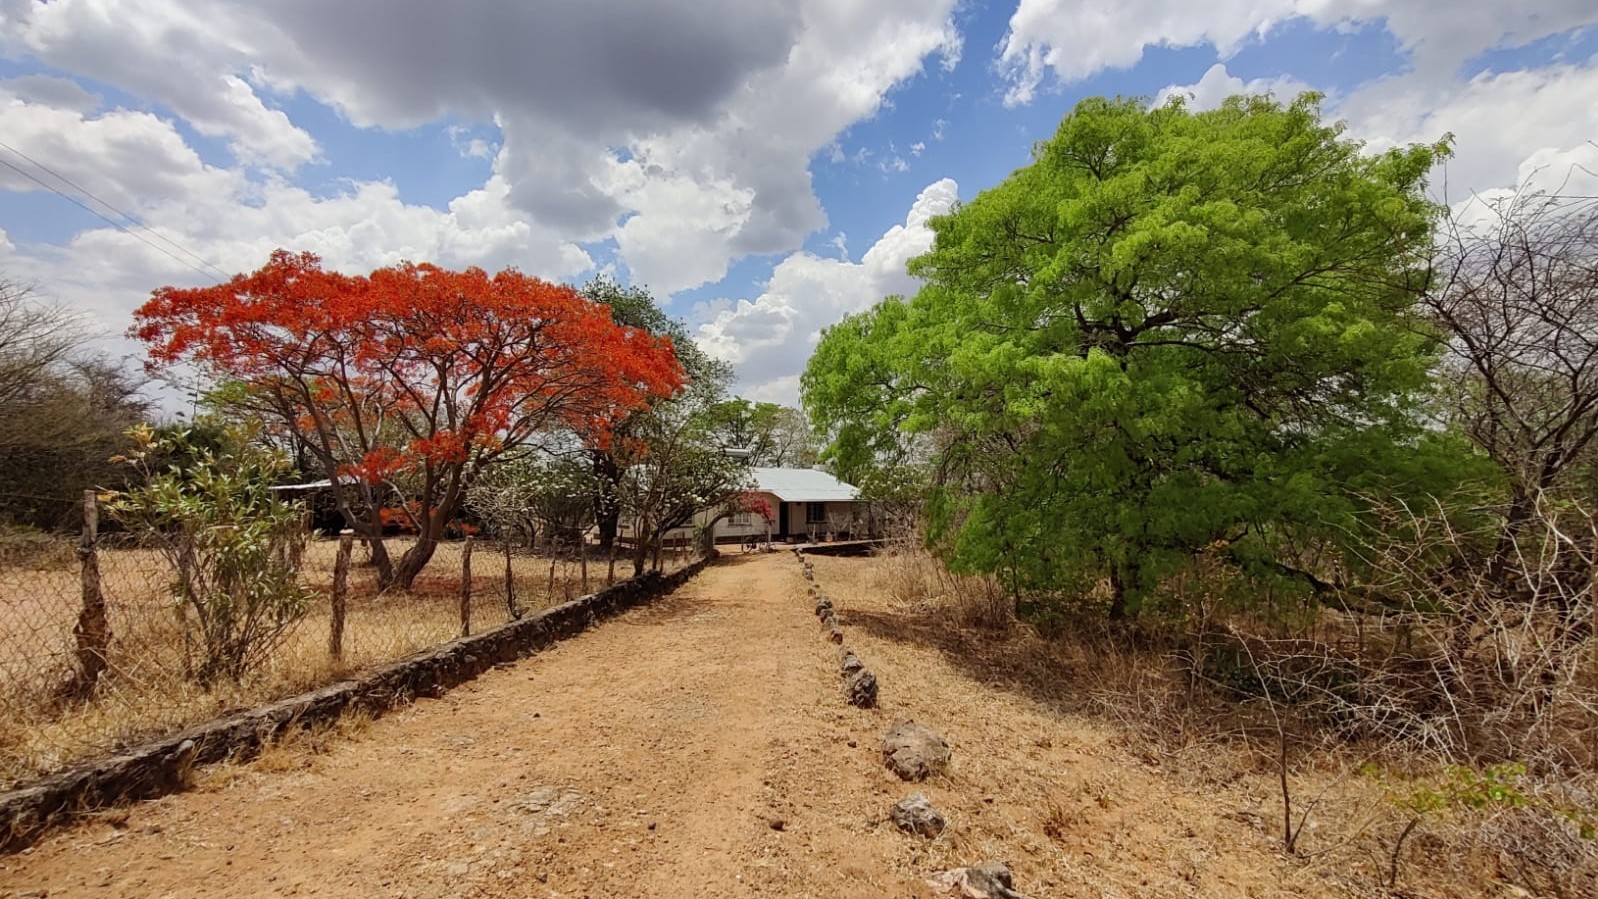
<point x="98" y="650"/>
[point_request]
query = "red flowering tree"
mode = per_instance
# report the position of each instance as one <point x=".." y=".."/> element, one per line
<point x="403" y="384"/>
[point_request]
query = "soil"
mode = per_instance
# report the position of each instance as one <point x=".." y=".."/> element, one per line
<point x="700" y="747"/>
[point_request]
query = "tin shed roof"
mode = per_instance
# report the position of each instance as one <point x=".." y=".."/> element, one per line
<point x="803" y="485"/>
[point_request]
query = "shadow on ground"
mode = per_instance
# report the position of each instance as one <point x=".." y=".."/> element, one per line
<point x="1015" y="659"/>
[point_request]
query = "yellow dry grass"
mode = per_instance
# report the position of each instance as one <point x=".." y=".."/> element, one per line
<point x="146" y="693"/>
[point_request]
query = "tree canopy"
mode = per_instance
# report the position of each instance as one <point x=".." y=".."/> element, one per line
<point x="1172" y="330"/>
<point x="408" y="381"/>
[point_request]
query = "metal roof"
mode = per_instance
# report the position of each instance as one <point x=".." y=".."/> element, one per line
<point x="316" y="485"/>
<point x="803" y="485"/>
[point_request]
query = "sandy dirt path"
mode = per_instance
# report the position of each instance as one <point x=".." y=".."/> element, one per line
<point x="698" y="747"/>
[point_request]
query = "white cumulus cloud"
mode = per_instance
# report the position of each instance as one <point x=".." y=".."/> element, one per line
<point x="1071" y="40"/>
<point x="770" y="337"/>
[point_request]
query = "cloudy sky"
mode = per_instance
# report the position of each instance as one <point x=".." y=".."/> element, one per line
<point x="765" y="166"/>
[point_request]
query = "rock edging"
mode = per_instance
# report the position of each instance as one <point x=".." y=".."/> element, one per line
<point x="859" y="682"/>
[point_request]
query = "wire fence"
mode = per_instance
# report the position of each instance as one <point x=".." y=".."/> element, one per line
<point x="97" y="651"/>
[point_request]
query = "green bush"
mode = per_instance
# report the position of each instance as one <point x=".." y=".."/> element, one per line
<point x="234" y="545"/>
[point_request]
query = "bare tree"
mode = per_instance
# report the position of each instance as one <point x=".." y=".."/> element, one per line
<point x="1517" y="297"/>
<point x="35" y="338"/>
<point x="63" y="412"/>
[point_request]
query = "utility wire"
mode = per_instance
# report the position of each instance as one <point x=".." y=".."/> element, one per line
<point x="107" y="219"/>
<point x="126" y="215"/>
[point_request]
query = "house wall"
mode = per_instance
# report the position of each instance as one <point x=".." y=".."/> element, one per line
<point x="798" y="518"/>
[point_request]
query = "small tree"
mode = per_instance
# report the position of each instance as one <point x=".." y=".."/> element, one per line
<point x="674" y="472"/>
<point x="1517" y="293"/>
<point x="234" y="545"/>
<point x="529" y="493"/>
<point x="755" y="504"/>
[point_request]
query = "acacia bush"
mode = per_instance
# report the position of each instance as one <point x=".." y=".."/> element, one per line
<point x="235" y="546"/>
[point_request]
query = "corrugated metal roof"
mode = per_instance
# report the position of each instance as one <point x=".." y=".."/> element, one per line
<point x="803" y="485"/>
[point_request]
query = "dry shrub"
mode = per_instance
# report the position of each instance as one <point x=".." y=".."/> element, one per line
<point x="1541" y="853"/>
<point x="1475" y="656"/>
<point x="918" y="581"/>
<point x="30" y="549"/>
<point x="1432" y="667"/>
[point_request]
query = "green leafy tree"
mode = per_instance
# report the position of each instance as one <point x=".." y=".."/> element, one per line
<point x="635" y="307"/>
<point x="1171" y="331"/>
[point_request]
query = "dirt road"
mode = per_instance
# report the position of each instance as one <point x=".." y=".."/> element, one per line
<point x="696" y="748"/>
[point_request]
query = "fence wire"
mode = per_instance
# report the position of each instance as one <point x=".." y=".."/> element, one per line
<point x="53" y="712"/>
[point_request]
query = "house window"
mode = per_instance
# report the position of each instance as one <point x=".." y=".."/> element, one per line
<point x="740" y="519"/>
<point x="816" y="513"/>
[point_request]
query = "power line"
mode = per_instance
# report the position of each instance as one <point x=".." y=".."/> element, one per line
<point x="127" y="215"/>
<point x="107" y="219"/>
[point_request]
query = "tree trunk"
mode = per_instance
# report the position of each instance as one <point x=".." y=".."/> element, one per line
<point x="377" y="556"/>
<point x="415" y="559"/>
<point x="421" y="552"/>
<point x="433" y="524"/>
<point x="554" y="556"/>
<point x="1522" y="507"/>
<point x="582" y="554"/>
<point x="370" y="531"/>
<point x="1117" y="593"/>
<point x="93" y="630"/>
<point x="640" y="555"/>
<point x="607" y="510"/>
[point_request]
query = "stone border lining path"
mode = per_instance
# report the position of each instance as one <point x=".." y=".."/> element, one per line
<point x="911" y="751"/>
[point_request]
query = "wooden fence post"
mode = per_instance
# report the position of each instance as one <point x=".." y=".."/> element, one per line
<point x="341" y="579"/>
<point x="554" y="556"/>
<point x="466" y="586"/>
<point x="510" y="583"/>
<point x="93" y="630"/>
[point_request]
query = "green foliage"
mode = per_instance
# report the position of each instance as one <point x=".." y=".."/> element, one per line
<point x="775" y="436"/>
<point x="635" y="307"/>
<point x="1172" y="329"/>
<point x="234" y="545"/>
<point x="1496" y="787"/>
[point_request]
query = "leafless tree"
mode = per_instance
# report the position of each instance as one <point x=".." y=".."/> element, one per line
<point x="63" y="412"/>
<point x="35" y="338"/>
<point x="1517" y="297"/>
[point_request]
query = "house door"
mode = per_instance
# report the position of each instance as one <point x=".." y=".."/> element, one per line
<point x="782" y="518"/>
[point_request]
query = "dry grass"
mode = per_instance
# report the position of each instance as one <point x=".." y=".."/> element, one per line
<point x="146" y="693"/>
<point x="1122" y="765"/>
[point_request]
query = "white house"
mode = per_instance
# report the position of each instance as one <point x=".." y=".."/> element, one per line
<point x="805" y="504"/>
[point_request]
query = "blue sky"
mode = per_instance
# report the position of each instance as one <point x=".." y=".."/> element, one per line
<point x="766" y="166"/>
